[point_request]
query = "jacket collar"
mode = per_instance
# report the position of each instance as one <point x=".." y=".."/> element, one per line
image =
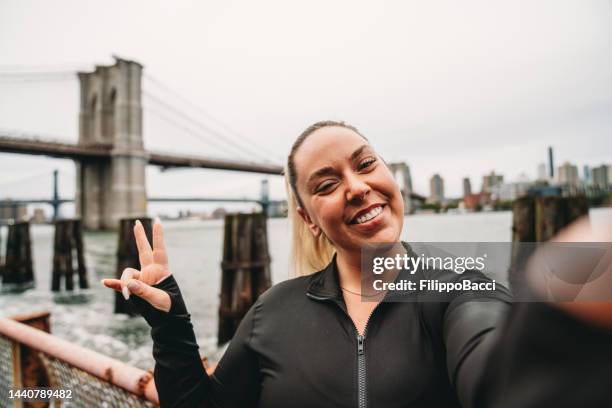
<point x="326" y="285"/>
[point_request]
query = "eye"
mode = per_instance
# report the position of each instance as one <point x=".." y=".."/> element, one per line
<point x="324" y="187"/>
<point x="366" y="163"/>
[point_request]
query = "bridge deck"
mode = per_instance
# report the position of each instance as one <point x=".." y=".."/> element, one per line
<point x="77" y="152"/>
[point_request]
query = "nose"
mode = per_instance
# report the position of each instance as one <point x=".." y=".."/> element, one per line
<point x="357" y="189"/>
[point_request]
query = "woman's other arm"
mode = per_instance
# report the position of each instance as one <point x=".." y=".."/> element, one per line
<point x="179" y="374"/>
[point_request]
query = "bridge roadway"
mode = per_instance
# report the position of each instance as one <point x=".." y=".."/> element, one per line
<point x="64" y="150"/>
<point x="9" y="144"/>
<point x="16" y="202"/>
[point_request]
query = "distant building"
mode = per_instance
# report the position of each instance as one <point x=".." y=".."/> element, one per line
<point x="12" y="211"/>
<point x="586" y="175"/>
<point x="491" y="180"/>
<point x="436" y="188"/>
<point x="476" y="201"/>
<point x="39" y="216"/>
<point x="510" y="191"/>
<point x="551" y="164"/>
<point x="568" y="175"/>
<point x="401" y="173"/>
<point x="467" y="187"/>
<point x="542" y="172"/>
<point x="601" y="176"/>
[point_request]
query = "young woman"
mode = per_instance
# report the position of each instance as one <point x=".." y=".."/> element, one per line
<point x="311" y="342"/>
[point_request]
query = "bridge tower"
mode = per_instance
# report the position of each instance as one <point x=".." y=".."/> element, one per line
<point x="401" y="173"/>
<point x="111" y="116"/>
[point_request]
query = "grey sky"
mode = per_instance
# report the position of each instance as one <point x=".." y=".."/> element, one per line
<point x="458" y="88"/>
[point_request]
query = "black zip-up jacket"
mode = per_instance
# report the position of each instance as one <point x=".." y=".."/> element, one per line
<point x="297" y="347"/>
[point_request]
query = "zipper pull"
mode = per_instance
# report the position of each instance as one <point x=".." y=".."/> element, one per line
<point x="360" y="345"/>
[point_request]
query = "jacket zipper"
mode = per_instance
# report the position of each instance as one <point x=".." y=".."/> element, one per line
<point x="362" y="382"/>
<point x="361" y="372"/>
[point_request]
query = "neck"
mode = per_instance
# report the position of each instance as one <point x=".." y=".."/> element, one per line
<point x="349" y="268"/>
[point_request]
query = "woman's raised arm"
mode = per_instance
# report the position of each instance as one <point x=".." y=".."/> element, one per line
<point x="179" y="374"/>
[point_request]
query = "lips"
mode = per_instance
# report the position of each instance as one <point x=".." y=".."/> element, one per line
<point x="367" y="214"/>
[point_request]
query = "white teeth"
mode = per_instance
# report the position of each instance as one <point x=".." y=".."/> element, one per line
<point x="369" y="215"/>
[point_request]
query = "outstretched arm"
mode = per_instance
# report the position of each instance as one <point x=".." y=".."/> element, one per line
<point x="537" y="354"/>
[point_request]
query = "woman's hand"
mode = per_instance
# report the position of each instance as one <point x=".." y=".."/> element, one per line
<point x="588" y="287"/>
<point x="154" y="269"/>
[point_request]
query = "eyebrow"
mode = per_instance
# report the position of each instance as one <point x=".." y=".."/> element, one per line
<point x="324" y="171"/>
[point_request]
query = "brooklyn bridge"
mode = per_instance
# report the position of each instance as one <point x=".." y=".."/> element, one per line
<point x="111" y="158"/>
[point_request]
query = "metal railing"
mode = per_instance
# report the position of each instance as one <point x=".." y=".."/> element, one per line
<point x="96" y="380"/>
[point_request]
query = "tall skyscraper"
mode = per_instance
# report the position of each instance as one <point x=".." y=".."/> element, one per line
<point x="467" y="187"/>
<point x="551" y="163"/>
<point x="568" y="174"/>
<point x="601" y="177"/>
<point x="586" y="175"/>
<point x="489" y="181"/>
<point x="436" y="188"/>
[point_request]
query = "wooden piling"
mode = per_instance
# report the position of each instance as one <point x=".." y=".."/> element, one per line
<point x="127" y="256"/>
<point x="32" y="371"/>
<point x="523" y="219"/>
<point x="68" y="255"/>
<point x="18" y="268"/>
<point x="538" y="219"/>
<point x="245" y="269"/>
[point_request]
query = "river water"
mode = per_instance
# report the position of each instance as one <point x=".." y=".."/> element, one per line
<point x="194" y="247"/>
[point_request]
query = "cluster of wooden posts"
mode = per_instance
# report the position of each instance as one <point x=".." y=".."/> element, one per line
<point x="245" y="268"/>
<point x="537" y="219"/>
<point x="17" y="271"/>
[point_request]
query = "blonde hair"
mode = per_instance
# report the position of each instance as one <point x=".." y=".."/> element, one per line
<point x="310" y="253"/>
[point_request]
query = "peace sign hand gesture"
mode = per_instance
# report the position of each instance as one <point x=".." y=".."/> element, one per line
<point x="154" y="269"/>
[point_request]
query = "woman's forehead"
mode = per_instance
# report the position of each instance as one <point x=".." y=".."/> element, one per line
<point x="325" y="147"/>
<point x="332" y="142"/>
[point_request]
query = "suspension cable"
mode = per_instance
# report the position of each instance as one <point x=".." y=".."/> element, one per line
<point x="267" y="153"/>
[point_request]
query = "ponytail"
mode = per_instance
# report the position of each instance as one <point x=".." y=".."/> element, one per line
<point x="310" y="254"/>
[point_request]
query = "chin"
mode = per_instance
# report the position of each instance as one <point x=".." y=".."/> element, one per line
<point x="386" y="235"/>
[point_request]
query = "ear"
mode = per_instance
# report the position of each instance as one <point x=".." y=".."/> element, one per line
<point x="314" y="228"/>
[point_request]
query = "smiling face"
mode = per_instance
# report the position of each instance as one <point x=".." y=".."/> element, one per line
<point x="346" y="190"/>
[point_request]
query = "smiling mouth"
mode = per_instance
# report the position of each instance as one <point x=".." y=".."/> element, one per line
<point x="372" y="213"/>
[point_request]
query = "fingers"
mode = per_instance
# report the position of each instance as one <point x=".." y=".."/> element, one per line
<point x="112" y="283"/>
<point x="128" y="273"/>
<point x="159" y="247"/>
<point x="145" y="253"/>
<point x="156" y="297"/>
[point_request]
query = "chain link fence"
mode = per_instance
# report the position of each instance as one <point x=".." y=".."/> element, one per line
<point x="6" y="368"/>
<point x="87" y="390"/>
<point x="116" y="386"/>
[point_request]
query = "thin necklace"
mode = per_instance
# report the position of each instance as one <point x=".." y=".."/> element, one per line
<point x="360" y="294"/>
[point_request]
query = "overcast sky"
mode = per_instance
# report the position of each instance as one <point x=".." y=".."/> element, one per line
<point x="457" y="88"/>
